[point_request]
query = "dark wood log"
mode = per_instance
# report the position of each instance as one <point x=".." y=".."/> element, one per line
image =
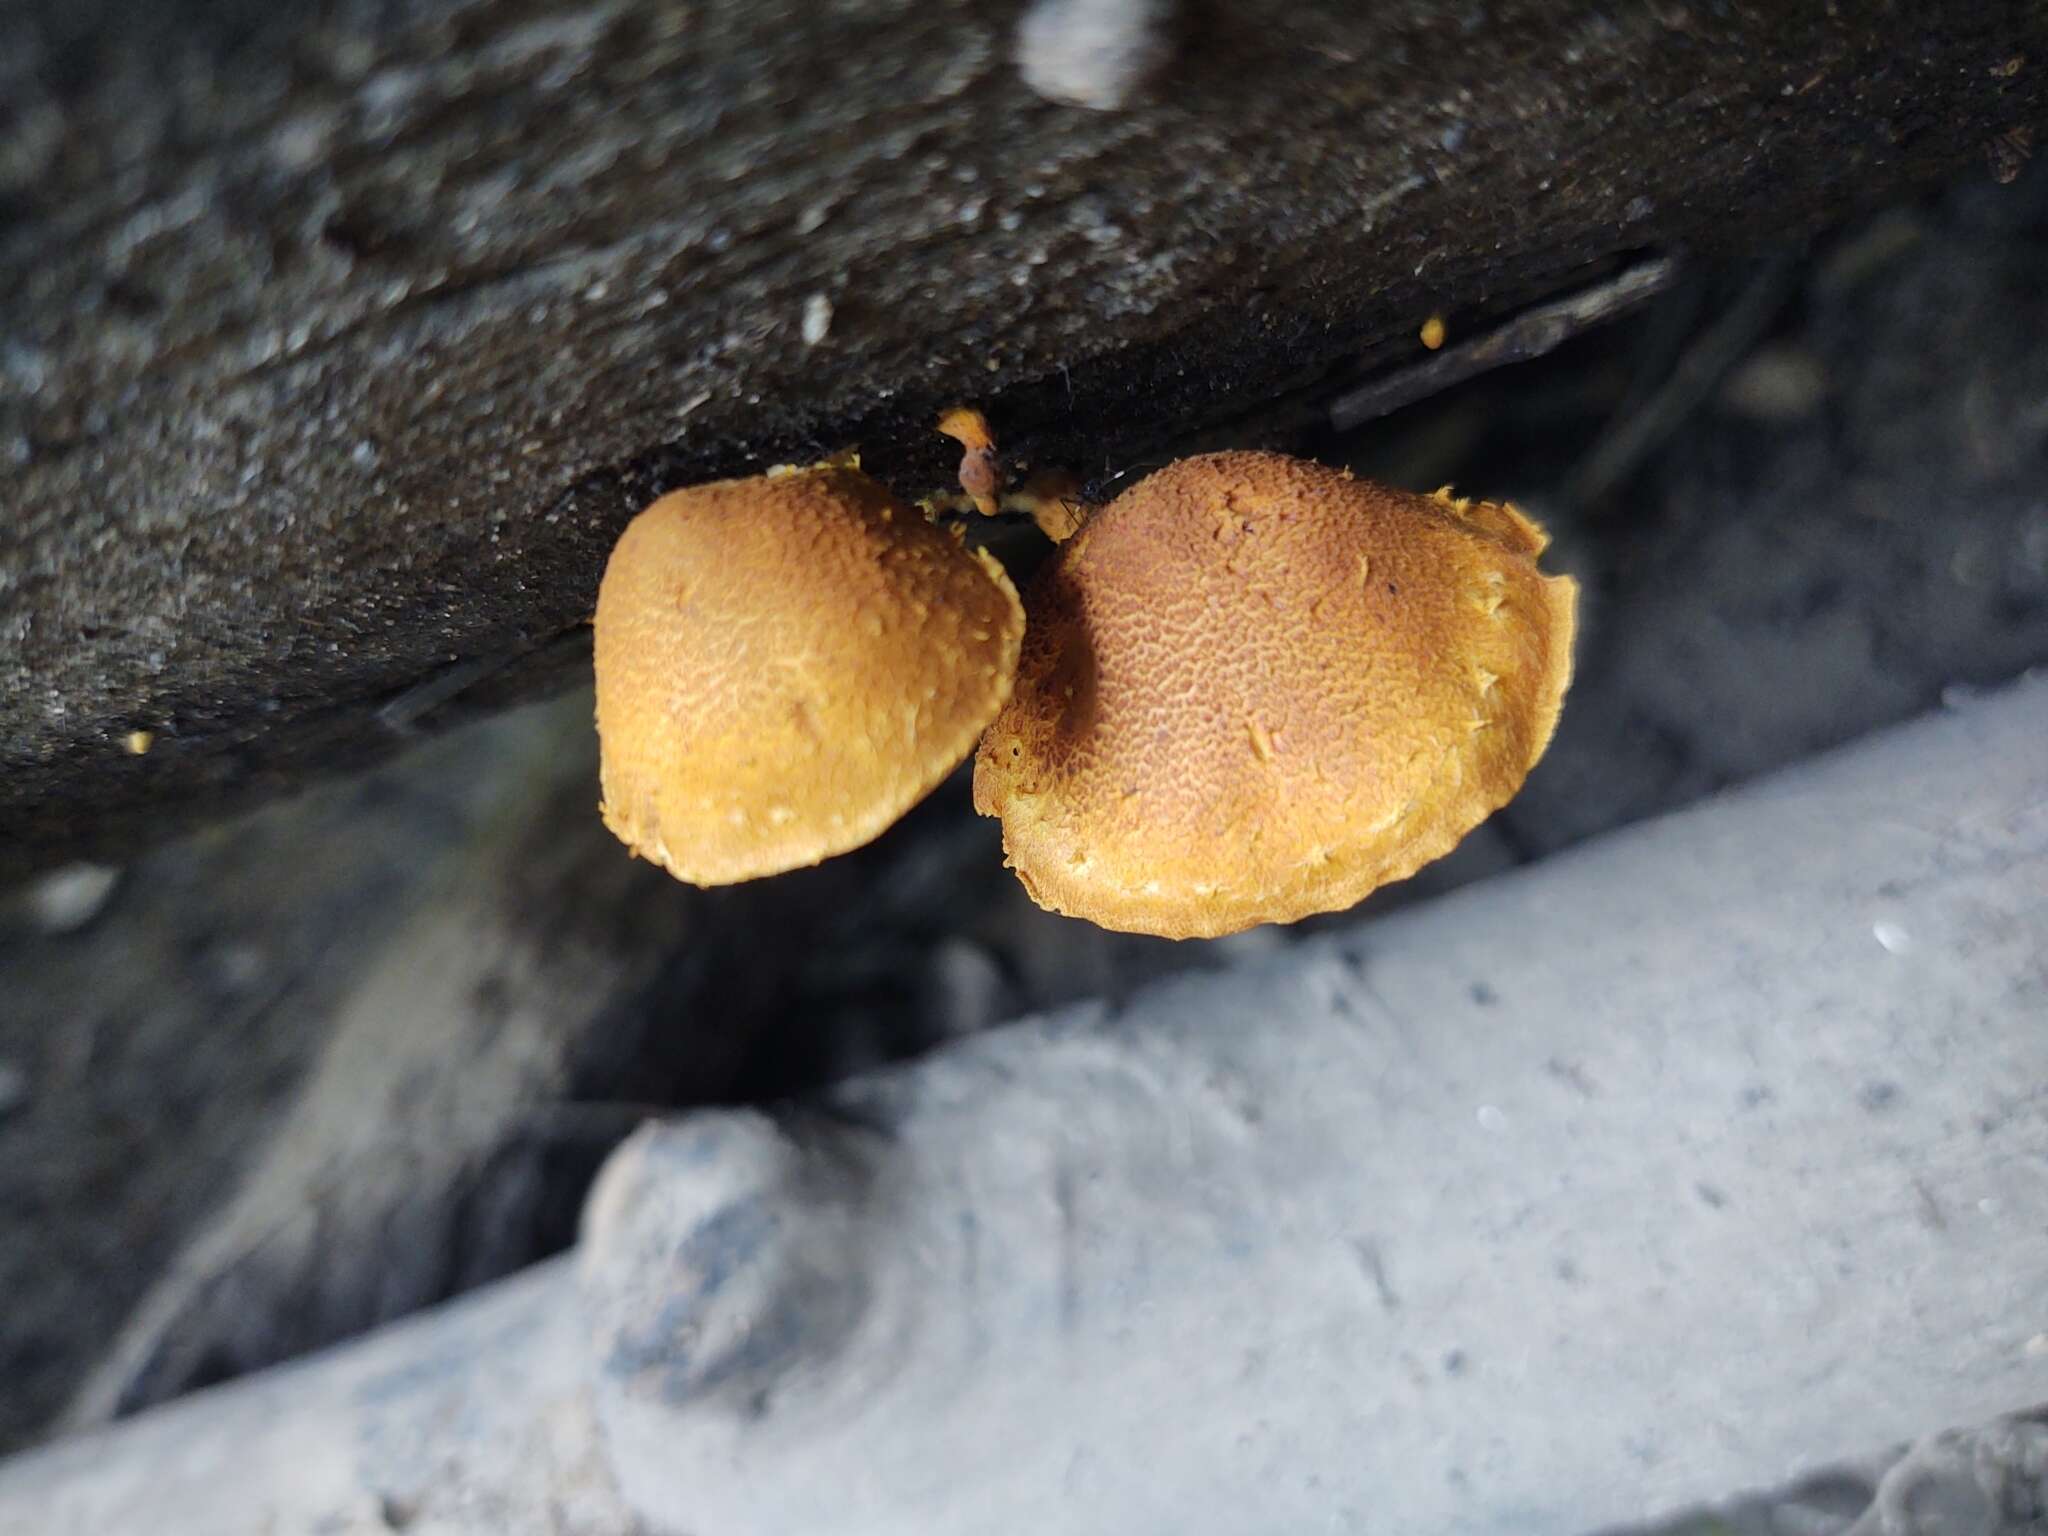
<point x="337" y="340"/>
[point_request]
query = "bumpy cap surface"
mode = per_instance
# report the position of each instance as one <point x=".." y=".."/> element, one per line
<point x="1254" y="688"/>
<point x="785" y="665"/>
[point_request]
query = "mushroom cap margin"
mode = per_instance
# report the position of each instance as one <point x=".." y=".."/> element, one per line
<point x="786" y="664"/>
<point x="1254" y="689"/>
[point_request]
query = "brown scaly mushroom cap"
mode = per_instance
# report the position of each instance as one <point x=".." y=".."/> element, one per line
<point x="1254" y="689"/>
<point x="785" y="665"/>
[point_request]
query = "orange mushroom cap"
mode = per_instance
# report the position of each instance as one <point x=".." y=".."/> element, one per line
<point x="1053" y="499"/>
<point x="785" y="665"/>
<point x="981" y="473"/>
<point x="1254" y="688"/>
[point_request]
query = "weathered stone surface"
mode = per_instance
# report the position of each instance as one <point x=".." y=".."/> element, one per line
<point x="1704" y="1153"/>
<point x="340" y="339"/>
<point x="1593" y="1191"/>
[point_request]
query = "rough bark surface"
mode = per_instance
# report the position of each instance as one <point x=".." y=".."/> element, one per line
<point x="341" y="338"/>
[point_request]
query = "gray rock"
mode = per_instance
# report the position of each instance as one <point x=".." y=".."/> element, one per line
<point x="1577" y="1196"/>
<point x="1094" y="53"/>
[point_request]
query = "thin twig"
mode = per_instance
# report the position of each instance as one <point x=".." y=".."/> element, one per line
<point x="402" y="713"/>
<point x="1526" y="337"/>
<point x="1634" y="435"/>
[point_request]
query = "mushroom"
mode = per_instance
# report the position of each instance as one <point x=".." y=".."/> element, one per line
<point x="785" y="665"/>
<point x="1051" y="498"/>
<point x="1254" y="688"/>
<point x="981" y="473"/>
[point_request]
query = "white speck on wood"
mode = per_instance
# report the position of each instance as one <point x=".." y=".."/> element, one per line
<point x="1097" y="54"/>
<point x="817" y="324"/>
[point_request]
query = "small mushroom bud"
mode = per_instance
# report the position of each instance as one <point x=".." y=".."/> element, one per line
<point x="1052" y="498"/>
<point x="1254" y="689"/>
<point x="785" y="665"/>
<point x="981" y="474"/>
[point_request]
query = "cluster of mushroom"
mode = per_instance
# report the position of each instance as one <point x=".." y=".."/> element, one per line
<point x="1249" y="689"/>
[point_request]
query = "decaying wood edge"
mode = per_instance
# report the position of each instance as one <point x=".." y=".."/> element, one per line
<point x="337" y="357"/>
